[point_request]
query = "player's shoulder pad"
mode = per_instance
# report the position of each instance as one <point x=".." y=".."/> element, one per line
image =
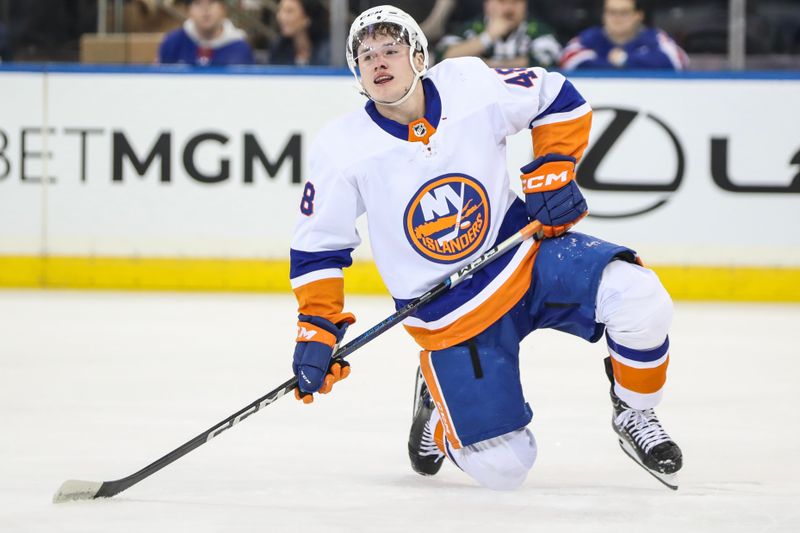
<point x="461" y="70"/>
<point x="338" y="140"/>
<point x="456" y="65"/>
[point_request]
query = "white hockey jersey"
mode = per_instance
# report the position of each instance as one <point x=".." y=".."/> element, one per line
<point x="436" y="194"/>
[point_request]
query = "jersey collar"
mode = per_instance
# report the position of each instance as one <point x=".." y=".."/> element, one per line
<point x="419" y="130"/>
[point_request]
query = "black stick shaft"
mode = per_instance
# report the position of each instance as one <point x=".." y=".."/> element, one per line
<point x="110" y="488"/>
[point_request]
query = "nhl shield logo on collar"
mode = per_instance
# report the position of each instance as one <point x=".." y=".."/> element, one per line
<point x="420" y="131"/>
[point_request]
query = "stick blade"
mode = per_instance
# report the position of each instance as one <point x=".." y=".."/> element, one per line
<point x="75" y="489"/>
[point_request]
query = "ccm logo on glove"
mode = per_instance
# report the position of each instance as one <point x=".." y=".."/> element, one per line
<point x="549" y="177"/>
<point x="308" y="332"/>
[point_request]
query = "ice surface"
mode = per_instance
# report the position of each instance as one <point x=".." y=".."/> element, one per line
<point x="96" y="385"/>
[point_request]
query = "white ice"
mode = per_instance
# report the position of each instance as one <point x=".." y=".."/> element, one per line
<point x="96" y="385"/>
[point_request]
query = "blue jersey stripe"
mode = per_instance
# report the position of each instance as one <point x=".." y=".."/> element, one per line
<point x="568" y="99"/>
<point x="642" y="356"/>
<point x="304" y="262"/>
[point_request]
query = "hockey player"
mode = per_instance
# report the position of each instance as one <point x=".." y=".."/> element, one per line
<point x="426" y="161"/>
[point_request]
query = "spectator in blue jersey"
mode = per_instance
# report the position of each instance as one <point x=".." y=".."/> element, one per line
<point x="207" y="38"/>
<point x="303" y="27"/>
<point x="504" y="37"/>
<point x="623" y="42"/>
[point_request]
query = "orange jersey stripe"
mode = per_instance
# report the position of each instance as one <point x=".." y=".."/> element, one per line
<point x="640" y="380"/>
<point x="324" y="298"/>
<point x="566" y="138"/>
<point x="477" y="320"/>
<point x="438" y="398"/>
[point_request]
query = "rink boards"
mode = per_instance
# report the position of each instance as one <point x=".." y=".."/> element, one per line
<point x="179" y="179"/>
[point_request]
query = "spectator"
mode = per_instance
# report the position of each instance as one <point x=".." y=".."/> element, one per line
<point x="504" y="37"/>
<point x="623" y="42"/>
<point x="303" y="27"/>
<point x="207" y="38"/>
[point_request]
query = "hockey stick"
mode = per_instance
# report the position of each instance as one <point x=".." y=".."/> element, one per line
<point x="73" y="489"/>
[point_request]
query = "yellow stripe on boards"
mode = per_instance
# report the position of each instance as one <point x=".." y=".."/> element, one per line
<point x="21" y="271"/>
<point x="683" y="282"/>
<point x="742" y="284"/>
<point x="167" y="274"/>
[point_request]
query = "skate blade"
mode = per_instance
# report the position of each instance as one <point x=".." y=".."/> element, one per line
<point x="668" y="480"/>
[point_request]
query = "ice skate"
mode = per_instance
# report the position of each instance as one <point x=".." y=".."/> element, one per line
<point x="426" y="457"/>
<point x="643" y="439"/>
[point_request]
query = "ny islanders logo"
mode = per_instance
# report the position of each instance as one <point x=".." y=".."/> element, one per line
<point x="448" y="218"/>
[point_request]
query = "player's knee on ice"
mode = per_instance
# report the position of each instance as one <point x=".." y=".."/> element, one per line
<point x="500" y="463"/>
<point x="633" y="305"/>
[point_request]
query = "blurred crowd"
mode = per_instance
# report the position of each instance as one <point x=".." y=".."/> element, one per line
<point x="567" y="34"/>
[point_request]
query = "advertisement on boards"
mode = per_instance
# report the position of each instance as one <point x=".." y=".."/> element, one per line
<point x="688" y="171"/>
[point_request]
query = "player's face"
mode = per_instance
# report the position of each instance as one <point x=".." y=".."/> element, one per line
<point x="512" y="10"/>
<point x="621" y="20"/>
<point x="207" y="15"/>
<point x="292" y="19"/>
<point x="386" y="73"/>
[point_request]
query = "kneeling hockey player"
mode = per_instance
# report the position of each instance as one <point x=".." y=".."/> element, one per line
<point x="426" y="161"/>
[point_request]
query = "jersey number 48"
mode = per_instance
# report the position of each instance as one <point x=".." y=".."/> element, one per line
<point x="517" y="76"/>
